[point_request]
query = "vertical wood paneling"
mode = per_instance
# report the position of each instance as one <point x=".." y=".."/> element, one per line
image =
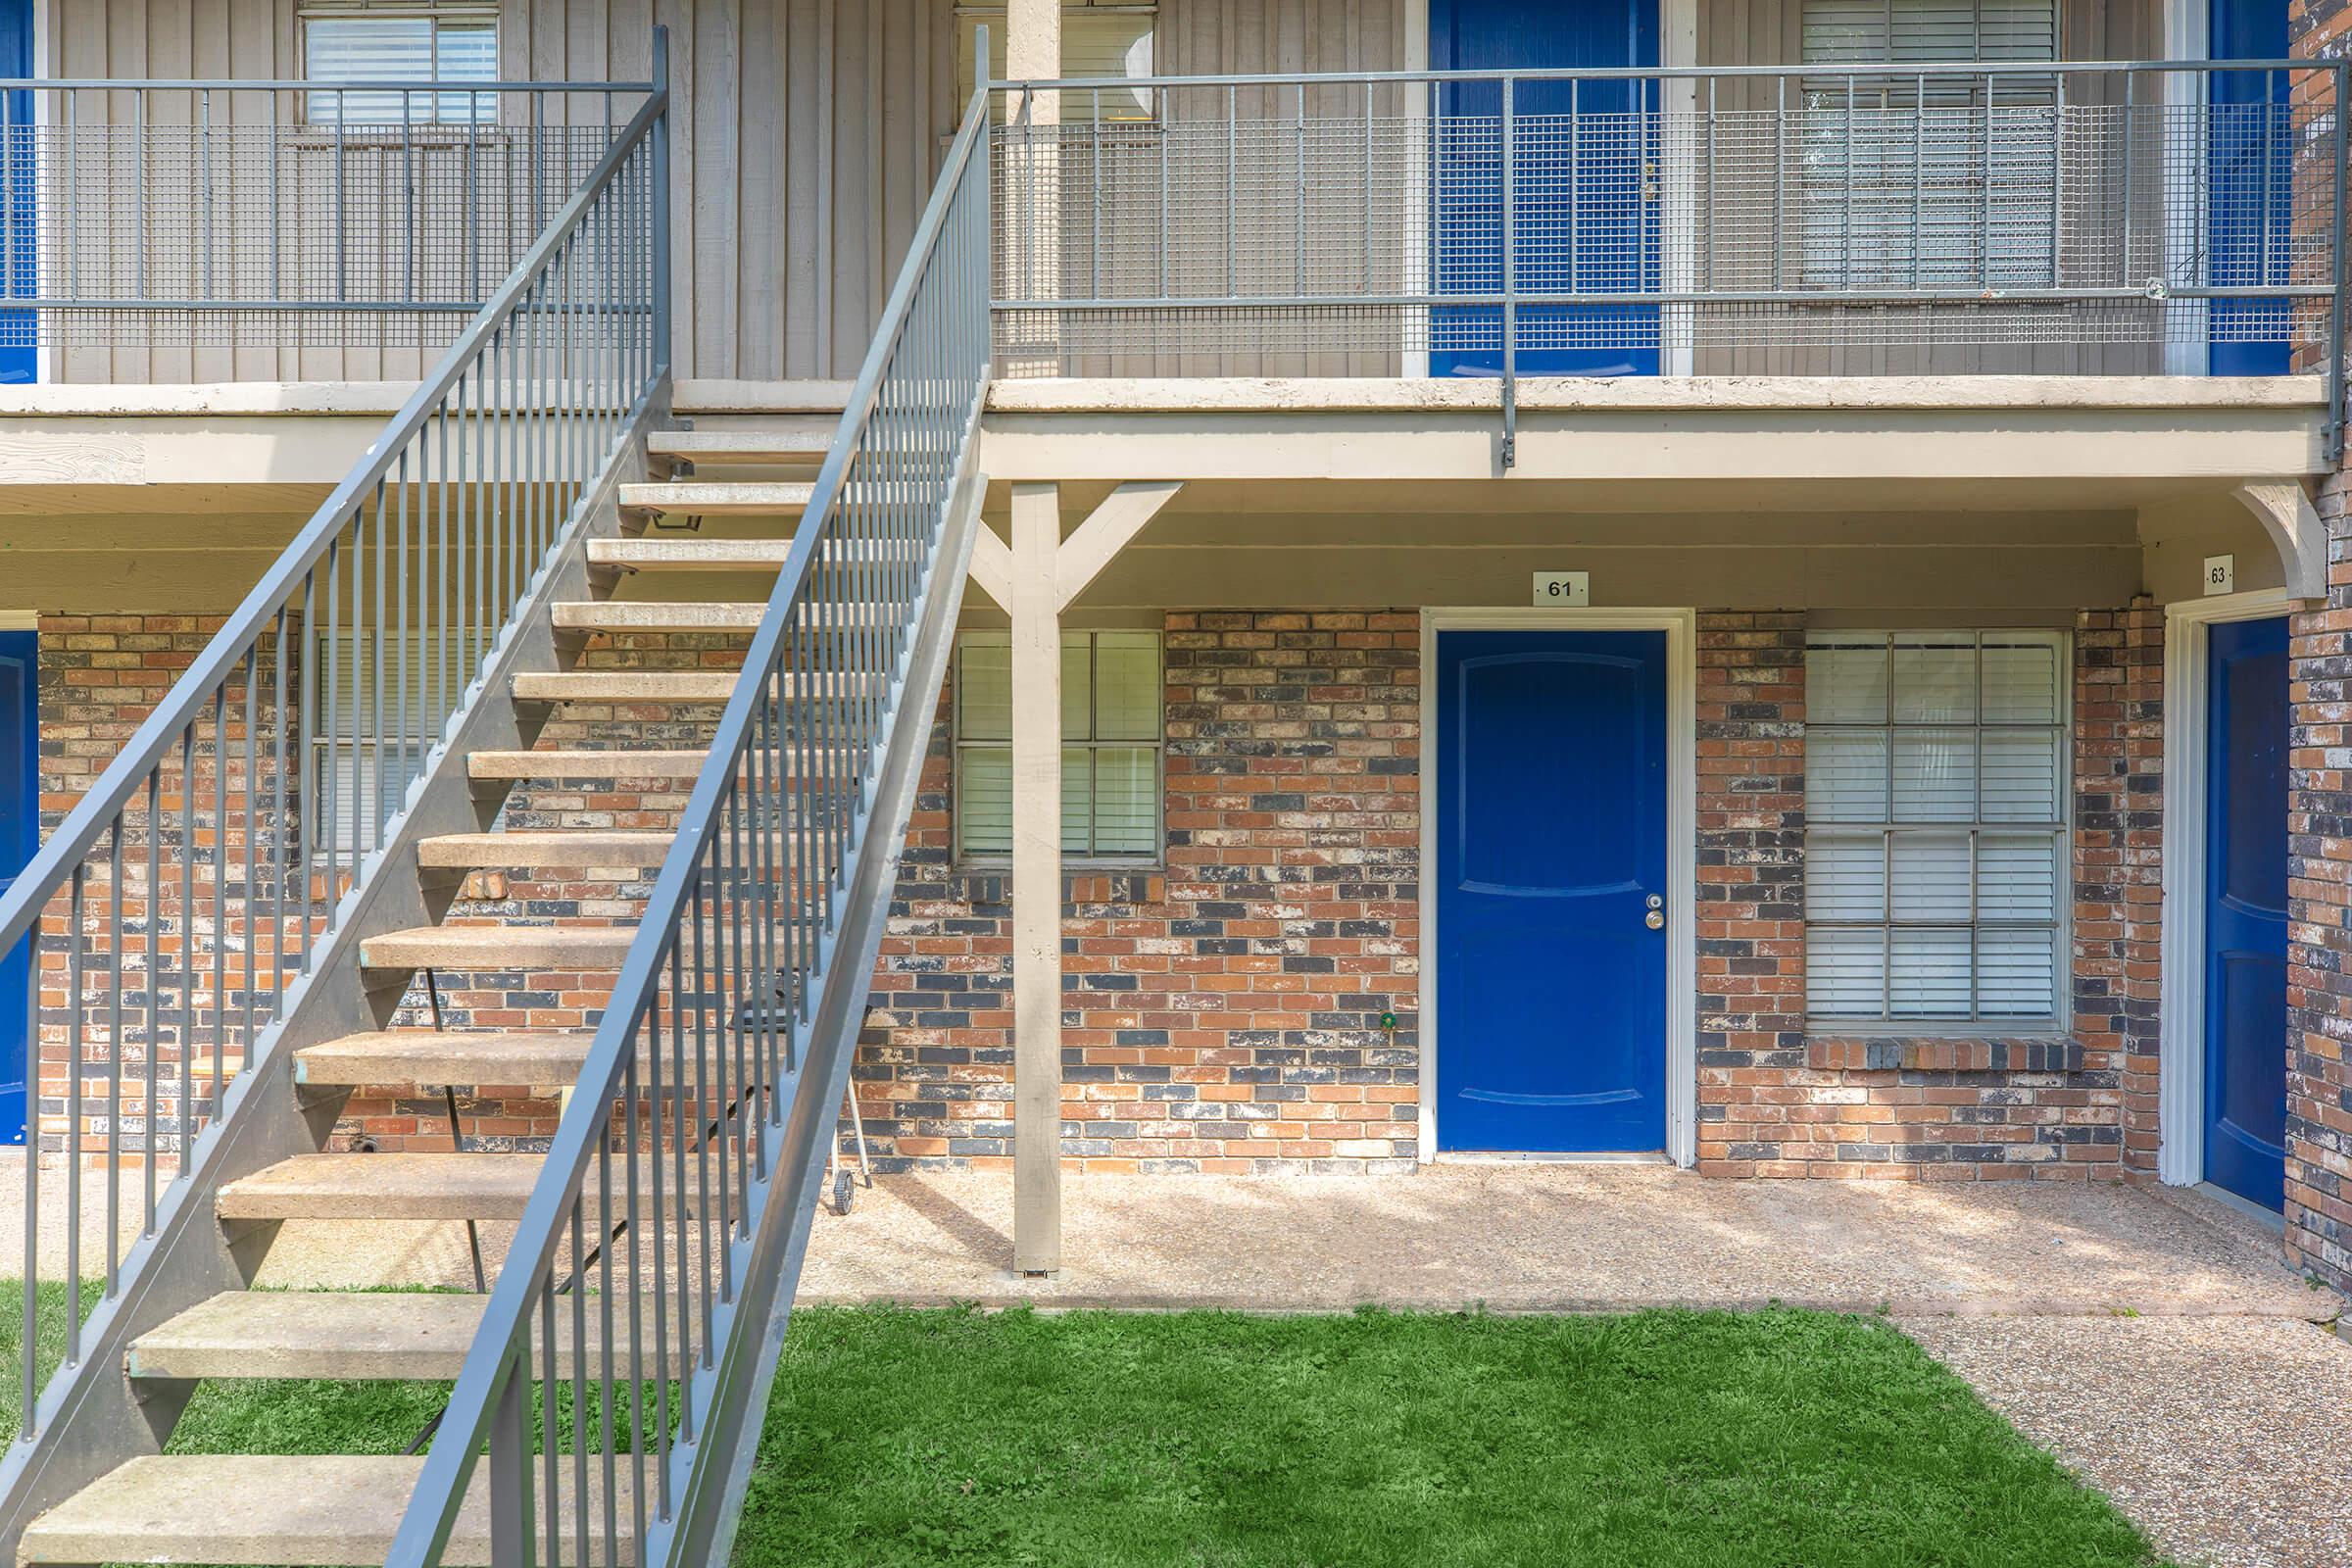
<point x="804" y="141"/>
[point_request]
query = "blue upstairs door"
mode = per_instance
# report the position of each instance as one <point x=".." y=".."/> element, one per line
<point x="1585" y="208"/>
<point x="2245" y="911"/>
<point x="1552" y="845"/>
<point x="19" y="836"/>
<point x="20" y="251"/>
<point x="2250" y="177"/>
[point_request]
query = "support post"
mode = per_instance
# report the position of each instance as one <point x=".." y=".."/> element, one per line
<point x="1035" y="612"/>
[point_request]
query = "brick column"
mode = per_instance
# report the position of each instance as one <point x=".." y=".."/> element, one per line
<point x="1750" y="892"/>
<point x="2119" y="863"/>
<point x="2319" y="990"/>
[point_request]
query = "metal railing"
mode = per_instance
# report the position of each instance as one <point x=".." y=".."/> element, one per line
<point x="2141" y="217"/>
<point x="278" y="215"/>
<point x="190" y="899"/>
<point x="675" y="1201"/>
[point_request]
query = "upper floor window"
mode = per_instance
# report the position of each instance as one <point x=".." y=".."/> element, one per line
<point x="1097" y="42"/>
<point x="1935" y="827"/>
<point x="1111" y="759"/>
<point x="367" y="42"/>
<point x="1928" y="182"/>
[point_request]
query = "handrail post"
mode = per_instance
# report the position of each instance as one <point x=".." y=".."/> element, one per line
<point x="658" y="148"/>
<point x="1511" y="293"/>
<point x="511" y="1522"/>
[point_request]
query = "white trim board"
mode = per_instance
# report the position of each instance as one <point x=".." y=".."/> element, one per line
<point x="1681" y="627"/>
<point x="2180" y="980"/>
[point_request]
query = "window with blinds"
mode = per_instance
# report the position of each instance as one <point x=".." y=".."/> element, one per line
<point x="1110" y="759"/>
<point x="1097" y="42"/>
<point x="1935" y="842"/>
<point x="362" y="766"/>
<point x="361" y="42"/>
<point x="1925" y="181"/>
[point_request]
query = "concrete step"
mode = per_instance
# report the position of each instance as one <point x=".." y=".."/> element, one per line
<point x="404" y="1185"/>
<point x="585" y="765"/>
<point x="476" y="948"/>
<point x="334" y="1510"/>
<point x="536" y="849"/>
<point x="741" y="446"/>
<point x="537" y="1058"/>
<point x="653" y="615"/>
<point x="715" y="499"/>
<point x="682" y="686"/>
<point x="626" y="686"/>
<point x="345" y="1335"/>
<point x="697" y="553"/>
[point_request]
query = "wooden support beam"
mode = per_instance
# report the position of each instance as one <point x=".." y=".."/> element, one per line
<point x="992" y="565"/>
<point x="1036" y="879"/>
<point x="1108" y="530"/>
<point x="2287" y="516"/>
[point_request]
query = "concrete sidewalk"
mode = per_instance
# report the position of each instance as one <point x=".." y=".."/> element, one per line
<point x="1564" y="1237"/>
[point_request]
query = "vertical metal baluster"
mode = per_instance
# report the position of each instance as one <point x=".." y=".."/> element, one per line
<point x="114" y="1038"/>
<point x="677" y="1153"/>
<point x="1707" y="247"/>
<point x="342" y="217"/>
<point x="2122" y="276"/>
<point x="2058" y="182"/>
<point x="72" y="1146"/>
<point x="1510" y="270"/>
<point x="253" y="902"/>
<point x="331" y="729"/>
<point x="205" y="181"/>
<point x="579" y="1378"/>
<point x="1298" y="202"/>
<point x="607" y="1394"/>
<point x="220" y="897"/>
<point x="282" y="848"/>
<point x="632" y="1101"/>
<point x="1919" y="179"/>
<point x="408" y="196"/>
<point x="307" y="740"/>
<point x="410" y="763"/>
<point x="154" y="1009"/>
<point x="277" y="287"/>
<point x="1985" y="194"/>
<point x="387" y="789"/>
<point x="1780" y="177"/>
<point x="142" y="152"/>
<point x="2343" y="73"/>
<point x="1233" y="189"/>
<point x="187" y="943"/>
<point x="656" y="1047"/>
<point x="1845" y="214"/>
<point x="29" y="1328"/>
<point x="550" y="1443"/>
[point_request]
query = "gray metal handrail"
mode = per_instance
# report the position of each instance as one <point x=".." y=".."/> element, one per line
<point x="675" y="1201"/>
<point x="1968" y="216"/>
<point x="179" y="904"/>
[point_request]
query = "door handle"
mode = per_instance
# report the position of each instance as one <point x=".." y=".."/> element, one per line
<point x="1655" y="919"/>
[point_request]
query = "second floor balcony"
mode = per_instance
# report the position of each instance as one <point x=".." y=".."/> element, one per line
<point x="1930" y="219"/>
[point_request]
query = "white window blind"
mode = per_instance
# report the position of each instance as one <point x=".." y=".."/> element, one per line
<point x="1936" y="791"/>
<point x="1928" y="182"/>
<point x="360" y="42"/>
<point x="359" y="781"/>
<point x="1097" y="42"/>
<point x="1110" y="712"/>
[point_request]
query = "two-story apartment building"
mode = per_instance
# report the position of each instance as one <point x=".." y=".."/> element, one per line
<point x="1346" y="584"/>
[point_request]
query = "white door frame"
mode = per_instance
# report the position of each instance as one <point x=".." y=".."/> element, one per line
<point x="1678" y="225"/>
<point x="1681" y="627"/>
<point x="2181" y="981"/>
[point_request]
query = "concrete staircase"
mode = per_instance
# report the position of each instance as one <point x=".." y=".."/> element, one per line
<point x="272" y="1509"/>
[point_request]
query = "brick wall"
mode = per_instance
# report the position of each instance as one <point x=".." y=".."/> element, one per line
<point x="2318" y="981"/>
<point x="1224" y="1015"/>
<point x="98" y="677"/>
<point x="1774" y="1102"/>
<point x="101" y="675"/>
<point x="2319" y="995"/>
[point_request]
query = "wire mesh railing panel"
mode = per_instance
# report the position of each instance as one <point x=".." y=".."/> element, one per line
<point x="257" y="216"/>
<point x="177" y="911"/>
<point x="676" y="1195"/>
<point x="1958" y="219"/>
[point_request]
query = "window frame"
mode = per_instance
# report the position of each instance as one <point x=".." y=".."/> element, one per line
<point x="434" y="14"/>
<point x="960" y="743"/>
<point x="969" y="17"/>
<point x="2058" y="1020"/>
<point x="1887" y="181"/>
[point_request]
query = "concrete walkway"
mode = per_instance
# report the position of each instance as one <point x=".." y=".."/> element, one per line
<point x="1562" y="1238"/>
<point x="2151" y="1339"/>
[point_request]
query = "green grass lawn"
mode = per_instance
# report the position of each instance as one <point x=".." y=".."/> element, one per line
<point x="1713" y="1440"/>
<point x="1778" y="1440"/>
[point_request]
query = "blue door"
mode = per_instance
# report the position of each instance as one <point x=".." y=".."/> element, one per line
<point x="20" y="255"/>
<point x="2245" y="911"/>
<point x="19" y="836"/>
<point x="2250" y="205"/>
<point x="1585" y="208"/>
<point x="1552" y="843"/>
